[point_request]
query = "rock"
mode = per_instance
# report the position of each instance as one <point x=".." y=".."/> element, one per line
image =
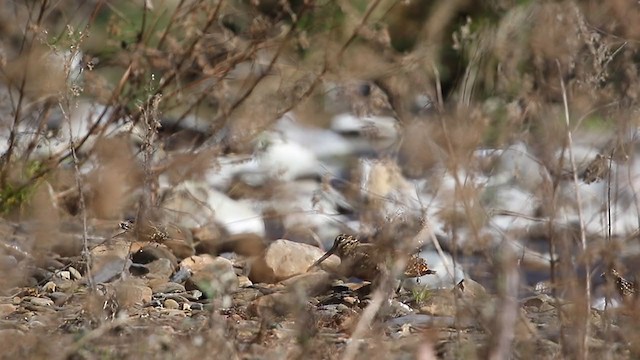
<point x="243" y="281"/>
<point x="243" y="244"/>
<point x="181" y="275"/>
<point x="75" y="274"/>
<point x="198" y="201"/>
<point x="132" y="292"/>
<point x="207" y="238"/>
<point x="109" y="260"/>
<point x="283" y="259"/>
<point x="153" y="252"/>
<point x="211" y="275"/>
<point x="180" y="248"/>
<point x="160" y="269"/>
<point x="171" y="304"/>
<point x="41" y="301"/>
<point x="59" y="298"/>
<point x="65" y="275"/>
<point x="174" y="312"/>
<point x="168" y="287"/>
<point x="49" y="287"/>
<point x="6" y="309"/>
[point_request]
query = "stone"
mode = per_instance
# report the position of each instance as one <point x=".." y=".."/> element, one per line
<point x="109" y="260"/>
<point x="207" y="238"/>
<point x="243" y="281"/>
<point x="283" y="259"/>
<point x="152" y="252"/>
<point x="212" y="275"/>
<point x="168" y="287"/>
<point x="248" y="244"/>
<point x="6" y="309"/>
<point x="132" y="292"/>
<point x="75" y="274"/>
<point x="171" y="304"/>
<point x="160" y="269"/>
<point x="180" y="248"/>
<point x="49" y="287"/>
<point x="41" y="301"/>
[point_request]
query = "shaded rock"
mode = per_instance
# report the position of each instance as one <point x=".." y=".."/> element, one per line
<point x="160" y="269"/>
<point x="181" y="249"/>
<point x="248" y="244"/>
<point x="109" y="260"/>
<point x="153" y="252"/>
<point x="284" y="259"/>
<point x="181" y="275"/>
<point x="59" y="298"/>
<point x="107" y="267"/>
<point x="207" y="238"/>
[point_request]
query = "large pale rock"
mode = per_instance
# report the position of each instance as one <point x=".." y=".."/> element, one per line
<point x="213" y="276"/>
<point x="132" y="292"/>
<point x="283" y="259"/>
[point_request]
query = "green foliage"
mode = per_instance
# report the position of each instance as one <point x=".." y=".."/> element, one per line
<point x="421" y="294"/>
<point x="14" y="194"/>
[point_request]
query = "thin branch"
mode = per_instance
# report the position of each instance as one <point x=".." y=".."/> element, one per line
<point x="583" y="240"/>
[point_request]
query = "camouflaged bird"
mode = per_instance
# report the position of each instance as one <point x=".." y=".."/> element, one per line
<point x="368" y="261"/>
<point x="626" y="289"/>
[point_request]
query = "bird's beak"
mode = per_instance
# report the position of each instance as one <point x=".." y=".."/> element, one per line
<point x="323" y="257"/>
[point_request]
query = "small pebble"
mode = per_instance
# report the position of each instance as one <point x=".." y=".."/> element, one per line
<point x="41" y="301"/>
<point x="196" y="306"/>
<point x="171" y="304"/>
<point x="244" y="281"/>
<point x="49" y="287"/>
<point x="75" y="273"/>
<point x="64" y="275"/>
<point x="350" y="300"/>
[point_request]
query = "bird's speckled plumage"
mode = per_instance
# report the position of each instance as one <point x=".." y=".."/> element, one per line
<point x="367" y="261"/>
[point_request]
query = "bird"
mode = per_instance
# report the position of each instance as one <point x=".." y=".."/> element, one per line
<point x="626" y="289"/>
<point x="368" y="261"/>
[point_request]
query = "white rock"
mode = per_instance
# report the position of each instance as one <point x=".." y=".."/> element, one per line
<point x="196" y="204"/>
<point x="286" y="160"/>
<point x="237" y="216"/>
<point x="325" y="144"/>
